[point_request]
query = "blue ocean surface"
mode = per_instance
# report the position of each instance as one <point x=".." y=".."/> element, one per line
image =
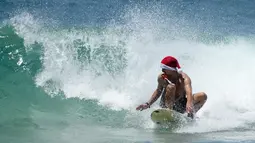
<point x="74" y="71"/>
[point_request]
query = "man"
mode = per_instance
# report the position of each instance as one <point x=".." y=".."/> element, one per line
<point x="176" y="90"/>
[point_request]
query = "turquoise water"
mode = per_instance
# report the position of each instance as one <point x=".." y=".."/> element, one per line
<point x="74" y="71"/>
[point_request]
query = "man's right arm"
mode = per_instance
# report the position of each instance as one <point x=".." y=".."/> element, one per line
<point x="156" y="94"/>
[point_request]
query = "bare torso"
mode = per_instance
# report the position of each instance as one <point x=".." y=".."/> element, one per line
<point x="179" y="83"/>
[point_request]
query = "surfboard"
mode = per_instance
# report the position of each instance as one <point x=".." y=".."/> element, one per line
<point x="167" y="116"/>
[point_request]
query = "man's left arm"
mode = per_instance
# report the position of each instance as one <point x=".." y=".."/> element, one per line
<point x="188" y="89"/>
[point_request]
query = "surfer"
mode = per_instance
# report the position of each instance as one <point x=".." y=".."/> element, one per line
<point x="174" y="87"/>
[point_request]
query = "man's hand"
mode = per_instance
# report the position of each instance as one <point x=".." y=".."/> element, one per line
<point x="189" y="107"/>
<point x="143" y="106"/>
<point x="189" y="110"/>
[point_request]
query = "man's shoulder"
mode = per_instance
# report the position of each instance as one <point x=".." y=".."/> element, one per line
<point x="185" y="76"/>
<point x="160" y="78"/>
<point x="160" y="75"/>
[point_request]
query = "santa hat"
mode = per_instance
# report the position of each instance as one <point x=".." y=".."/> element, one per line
<point x="170" y="63"/>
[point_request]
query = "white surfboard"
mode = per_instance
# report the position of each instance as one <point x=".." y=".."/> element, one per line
<point x="167" y="116"/>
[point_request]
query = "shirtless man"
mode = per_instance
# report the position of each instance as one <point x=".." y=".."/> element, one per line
<point x="175" y="87"/>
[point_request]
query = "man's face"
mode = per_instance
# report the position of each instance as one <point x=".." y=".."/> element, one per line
<point x="171" y="72"/>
